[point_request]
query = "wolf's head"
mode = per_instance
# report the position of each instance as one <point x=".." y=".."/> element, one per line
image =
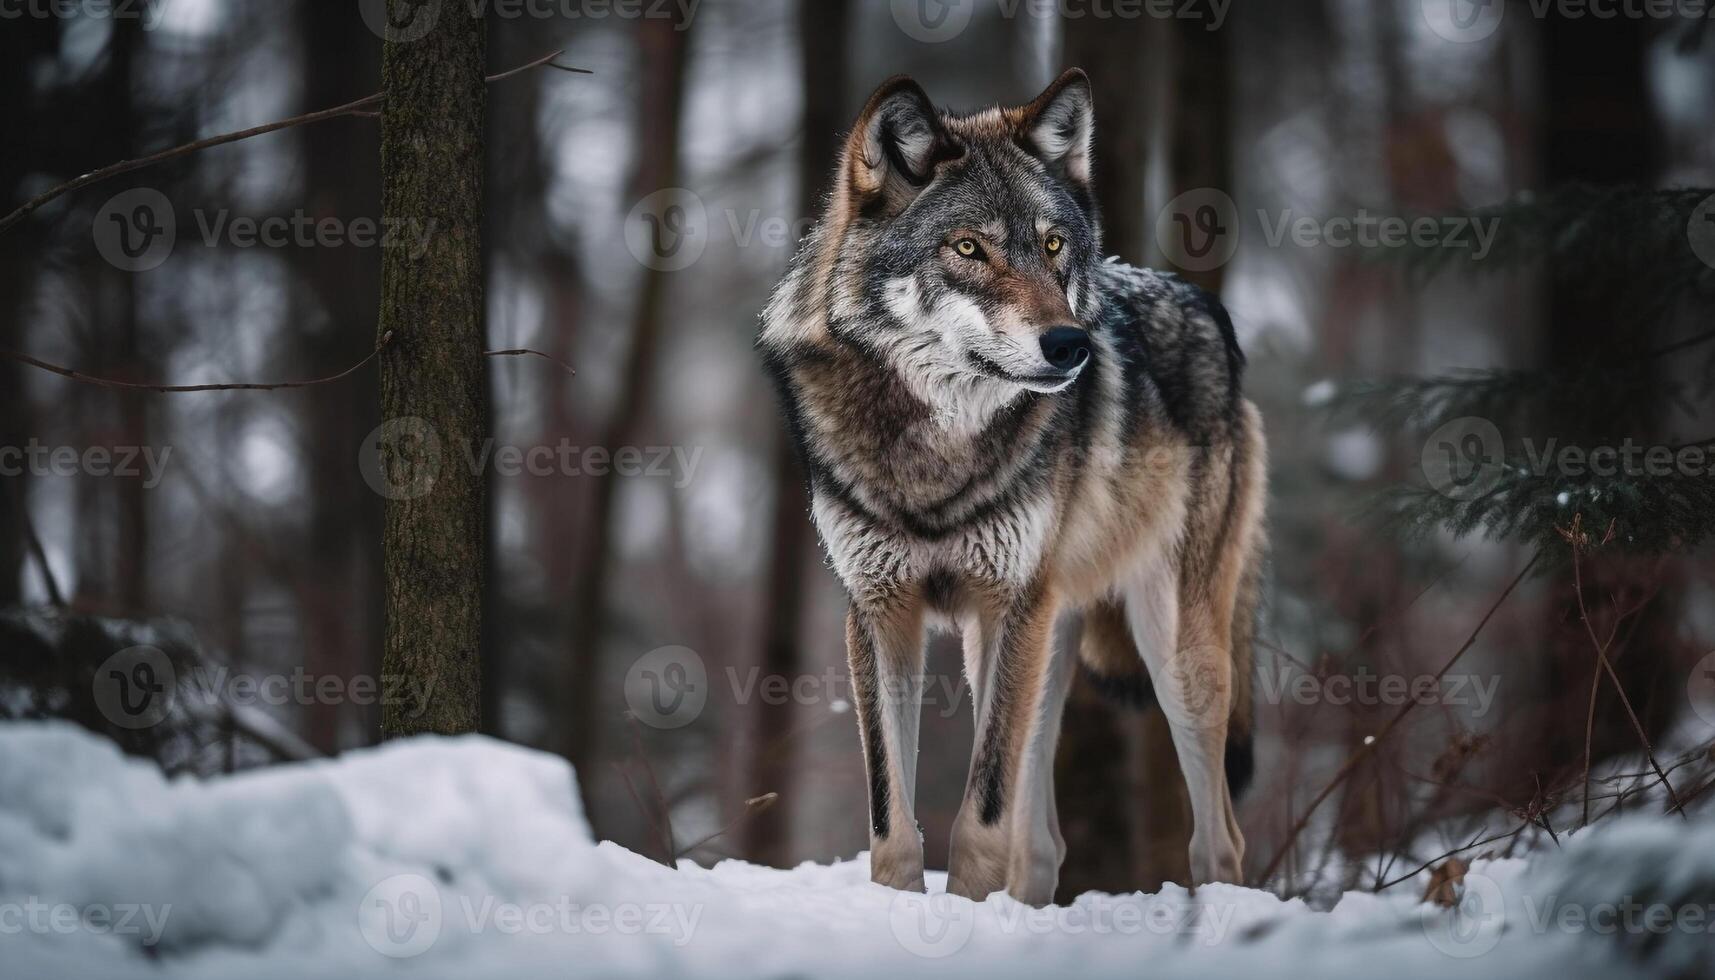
<point x="961" y="247"/>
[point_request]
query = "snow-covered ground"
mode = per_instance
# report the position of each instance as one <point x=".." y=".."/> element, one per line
<point x="469" y="857"/>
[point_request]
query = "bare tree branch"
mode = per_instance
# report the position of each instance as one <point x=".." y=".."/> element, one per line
<point x="514" y="351"/>
<point x="75" y="375"/>
<point x="66" y="372"/>
<point x="364" y="107"/>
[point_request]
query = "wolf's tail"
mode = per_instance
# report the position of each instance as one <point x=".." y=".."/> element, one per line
<point x="1250" y="493"/>
<point x="1111" y="660"/>
<point x="1241" y="727"/>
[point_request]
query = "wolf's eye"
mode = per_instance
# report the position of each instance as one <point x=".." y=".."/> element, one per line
<point x="967" y="247"/>
<point x="1053" y="243"/>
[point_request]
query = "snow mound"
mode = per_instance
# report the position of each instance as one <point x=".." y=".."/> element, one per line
<point x="441" y="857"/>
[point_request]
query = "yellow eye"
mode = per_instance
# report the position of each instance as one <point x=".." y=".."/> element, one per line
<point x="966" y="247"/>
<point x="1053" y="243"/>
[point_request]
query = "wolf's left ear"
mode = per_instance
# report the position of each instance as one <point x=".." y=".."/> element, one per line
<point x="1060" y="124"/>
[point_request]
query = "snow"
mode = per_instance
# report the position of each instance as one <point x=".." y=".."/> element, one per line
<point x="448" y="857"/>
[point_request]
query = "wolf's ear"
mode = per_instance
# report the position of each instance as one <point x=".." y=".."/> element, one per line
<point x="892" y="151"/>
<point x="1059" y="125"/>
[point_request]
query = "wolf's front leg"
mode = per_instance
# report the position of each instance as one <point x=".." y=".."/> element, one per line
<point x="1004" y="835"/>
<point x="884" y="646"/>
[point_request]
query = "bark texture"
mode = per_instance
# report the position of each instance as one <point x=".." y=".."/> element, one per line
<point x="432" y="371"/>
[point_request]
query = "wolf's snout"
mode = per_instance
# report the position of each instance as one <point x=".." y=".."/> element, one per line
<point x="1066" y="347"/>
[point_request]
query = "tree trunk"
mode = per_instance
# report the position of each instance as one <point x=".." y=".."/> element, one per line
<point x="822" y="74"/>
<point x="20" y="43"/>
<point x="1109" y="51"/>
<point x="1201" y="130"/>
<point x="112" y="550"/>
<point x="665" y="45"/>
<point x="1102" y="748"/>
<point x="342" y="180"/>
<point x="432" y="374"/>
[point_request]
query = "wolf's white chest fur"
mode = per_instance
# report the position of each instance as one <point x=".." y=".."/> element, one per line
<point x="1003" y="548"/>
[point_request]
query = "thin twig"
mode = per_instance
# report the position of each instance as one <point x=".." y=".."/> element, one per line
<point x="1476" y="843"/>
<point x="258" y="726"/>
<point x="1692" y="796"/>
<point x="515" y="351"/>
<point x="547" y="59"/>
<point x="1596" y="687"/>
<point x="666" y="858"/>
<point x="1577" y="538"/>
<point x="40" y="554"/>
<point x="357" y="107"/>
<point x="667" y="846"/>
<point x="1351" y="764"/>
<point x="1691" y="341"/>
<point x="752" y="807"/>
<point x="1536" y="811"/>
<point x="66" y="372"/>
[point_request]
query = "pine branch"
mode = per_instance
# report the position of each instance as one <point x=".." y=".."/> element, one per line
<point x="1578" y="228"/>
<point x="1530" y="494"/>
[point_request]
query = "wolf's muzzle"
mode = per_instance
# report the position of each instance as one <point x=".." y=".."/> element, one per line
<point x="1066" y="347"/>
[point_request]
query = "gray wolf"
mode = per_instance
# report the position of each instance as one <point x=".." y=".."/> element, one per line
<point x="998" y="427"/>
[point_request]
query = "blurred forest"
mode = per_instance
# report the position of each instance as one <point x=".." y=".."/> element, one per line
<point x="636" y="218"/>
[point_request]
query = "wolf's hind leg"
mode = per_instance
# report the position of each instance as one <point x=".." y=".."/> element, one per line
<point x="884" y="646"/>
<point x="1187" y="650"/>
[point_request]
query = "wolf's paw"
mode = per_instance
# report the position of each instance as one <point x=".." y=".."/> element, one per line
<point x="1034" y="875"/>
<point x="1216" y="862"/>
<point x="975" y="877"/>
<point x="899" y="873"/>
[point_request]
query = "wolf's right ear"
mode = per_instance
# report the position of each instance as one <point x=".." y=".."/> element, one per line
<point x="893" y="149"/>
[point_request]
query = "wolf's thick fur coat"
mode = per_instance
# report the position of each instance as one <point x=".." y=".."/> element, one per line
<point x="964" y="473"/>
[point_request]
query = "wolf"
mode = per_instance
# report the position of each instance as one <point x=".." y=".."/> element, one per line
<point x="999" y="427"/>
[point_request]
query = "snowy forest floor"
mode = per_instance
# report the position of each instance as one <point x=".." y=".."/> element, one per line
<point x="467" y="856"/>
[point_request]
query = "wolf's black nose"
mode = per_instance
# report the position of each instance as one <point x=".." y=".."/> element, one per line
<point x="1066" y="347"/>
